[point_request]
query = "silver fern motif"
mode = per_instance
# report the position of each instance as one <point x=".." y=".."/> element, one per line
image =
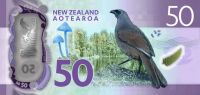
<point x="30" y="37"/>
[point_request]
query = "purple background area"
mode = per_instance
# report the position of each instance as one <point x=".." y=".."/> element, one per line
<point x="145" y="13"/>
<point x="3" y="89"/>
<point x="153" y="13"/>
<point x="3" y="13"/>
<point x="162" y="7"/>
<point x="169" y="90"/>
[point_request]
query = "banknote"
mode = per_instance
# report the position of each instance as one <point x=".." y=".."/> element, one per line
<point x="99" y="47"/>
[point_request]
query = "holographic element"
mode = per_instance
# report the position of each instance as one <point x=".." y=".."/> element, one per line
<point x="28" y="53"/>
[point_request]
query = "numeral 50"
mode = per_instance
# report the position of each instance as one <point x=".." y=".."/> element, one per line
<point x="75" y="70"/>
<point x="179" y="17"/>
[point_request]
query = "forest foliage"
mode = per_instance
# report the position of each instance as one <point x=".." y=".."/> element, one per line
<point x="100" y="48"/>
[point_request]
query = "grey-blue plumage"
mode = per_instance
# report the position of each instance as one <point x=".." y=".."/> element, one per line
<point x="132" y="41"/>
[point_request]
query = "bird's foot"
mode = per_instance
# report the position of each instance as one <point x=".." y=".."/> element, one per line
<point x="125" y="61"/>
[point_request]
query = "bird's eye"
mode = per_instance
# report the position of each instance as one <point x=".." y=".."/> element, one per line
<point x="118" y="12"/>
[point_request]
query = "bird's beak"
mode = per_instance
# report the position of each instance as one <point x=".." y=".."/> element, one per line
<point x="112" y="11"/>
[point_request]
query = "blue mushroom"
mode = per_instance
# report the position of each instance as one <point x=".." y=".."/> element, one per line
<point x="58" y="39"/>
<point x="65" y="28"/>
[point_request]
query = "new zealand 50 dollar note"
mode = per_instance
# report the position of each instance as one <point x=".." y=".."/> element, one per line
<point x="93" y="47"/>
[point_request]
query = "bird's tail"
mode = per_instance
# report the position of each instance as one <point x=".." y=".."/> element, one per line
<point x="158" y="80"/>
